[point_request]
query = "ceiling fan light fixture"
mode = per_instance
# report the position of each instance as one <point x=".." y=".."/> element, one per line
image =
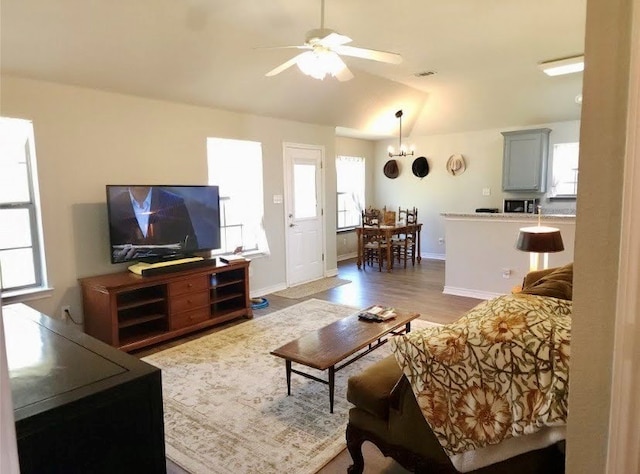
<point x="562" y="66"/>
<point x="325" y="48"/>
<point x="318" y="63"/>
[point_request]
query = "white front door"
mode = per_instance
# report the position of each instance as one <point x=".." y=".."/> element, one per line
<point x="304" y="219"/>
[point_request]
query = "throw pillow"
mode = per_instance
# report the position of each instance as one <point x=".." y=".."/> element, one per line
<point x="557" y="284"/>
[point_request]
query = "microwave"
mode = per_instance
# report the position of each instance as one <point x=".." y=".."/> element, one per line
<point x="526" y="206"/>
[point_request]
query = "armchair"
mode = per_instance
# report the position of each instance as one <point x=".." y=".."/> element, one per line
<point x="387" y="412"/>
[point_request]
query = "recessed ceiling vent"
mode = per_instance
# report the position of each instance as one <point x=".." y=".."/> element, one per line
<point x="425" y="73"/>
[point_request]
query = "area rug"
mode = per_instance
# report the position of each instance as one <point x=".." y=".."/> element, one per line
<point x="226" y="408"/>
<point x="311" y="288"/>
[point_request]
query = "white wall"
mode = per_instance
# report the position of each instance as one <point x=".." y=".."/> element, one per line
<point x="86" y="139"/>
<point x="440" y="192"/>
<point x="480" y="248"/>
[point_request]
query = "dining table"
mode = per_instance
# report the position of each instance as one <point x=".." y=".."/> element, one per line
<point x="387" y="232"/>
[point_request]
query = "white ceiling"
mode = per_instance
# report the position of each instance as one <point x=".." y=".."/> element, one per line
<point x="204" y="52"/>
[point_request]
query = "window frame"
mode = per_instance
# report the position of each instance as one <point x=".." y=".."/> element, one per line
<point x="261" y="246"/>
<point x="554" y="195"/>
<point x="32" y="205"/>
<point x="357" y="213"/>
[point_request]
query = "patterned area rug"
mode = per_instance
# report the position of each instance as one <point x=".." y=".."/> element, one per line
<point x="226" y="405"/>
<point x="311" y="288"/>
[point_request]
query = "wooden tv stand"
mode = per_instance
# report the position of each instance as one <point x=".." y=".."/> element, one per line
<point x="130" y="311"/>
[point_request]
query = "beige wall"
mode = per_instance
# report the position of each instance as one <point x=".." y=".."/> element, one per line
<point x="74" y="152"/>
<point x="597" y="246"/>
<point x="481" y="248"/>
<point x="86" y="139"/>
<point x="440" y="192"/>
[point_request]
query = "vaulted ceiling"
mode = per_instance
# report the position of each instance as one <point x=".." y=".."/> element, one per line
<point x="207" y="52"/>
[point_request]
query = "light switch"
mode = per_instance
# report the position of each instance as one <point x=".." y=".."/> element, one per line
<point x="486" y="191"/>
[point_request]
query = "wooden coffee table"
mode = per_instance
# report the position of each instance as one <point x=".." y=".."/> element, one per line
<point x="330" y="345"/>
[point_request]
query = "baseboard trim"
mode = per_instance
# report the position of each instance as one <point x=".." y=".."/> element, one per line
<point x="267" y="290"/>
<point x="282" y="286"/>
<point x="347" y="256"/>
<point x="481" y="295"/>
<point x="434" y="256"/>
<point x="331" y="273"/>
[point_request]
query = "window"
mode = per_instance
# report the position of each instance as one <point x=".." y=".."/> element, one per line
<point x="21" y="255"/>
<point x="565" y="170"/>
<point x="236" y="166"/>
<point x="350" y="188"/>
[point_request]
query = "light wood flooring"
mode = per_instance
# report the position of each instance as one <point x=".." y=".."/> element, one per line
<point x="418" y="288"/>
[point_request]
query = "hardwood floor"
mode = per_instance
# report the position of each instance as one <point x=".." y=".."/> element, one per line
<point x="417" y="289"/>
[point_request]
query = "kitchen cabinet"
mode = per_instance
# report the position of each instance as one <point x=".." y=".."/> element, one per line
<point x="524" y="166"/>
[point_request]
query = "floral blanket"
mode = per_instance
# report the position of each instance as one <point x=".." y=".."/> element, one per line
<point x="500" y="371"/>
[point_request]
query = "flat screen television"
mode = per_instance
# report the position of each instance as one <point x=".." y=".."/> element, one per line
<point x="156" y="223"/>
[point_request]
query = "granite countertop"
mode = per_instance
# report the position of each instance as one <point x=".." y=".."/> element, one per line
<point x="508" y="215"/>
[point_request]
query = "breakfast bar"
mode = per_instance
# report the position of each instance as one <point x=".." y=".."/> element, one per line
<point x="481" y="256"/>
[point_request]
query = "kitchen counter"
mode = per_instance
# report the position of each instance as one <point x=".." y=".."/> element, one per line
<point x="481" y="256"/>
<point x="508" y="215"/>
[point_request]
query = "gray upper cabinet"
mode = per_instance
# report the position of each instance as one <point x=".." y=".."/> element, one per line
<point x="524" y="166"/>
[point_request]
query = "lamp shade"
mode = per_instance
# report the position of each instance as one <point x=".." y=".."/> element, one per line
<point x="540" y="240"/>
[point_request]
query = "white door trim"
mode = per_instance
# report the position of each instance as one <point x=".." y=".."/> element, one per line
<point x="321" y="199"/>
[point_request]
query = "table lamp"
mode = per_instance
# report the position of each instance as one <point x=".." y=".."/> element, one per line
<point x="539" y="240"/>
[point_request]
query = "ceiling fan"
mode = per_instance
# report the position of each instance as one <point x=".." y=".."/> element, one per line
<point x="323" y="48"/>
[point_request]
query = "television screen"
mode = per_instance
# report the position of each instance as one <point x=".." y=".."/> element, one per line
<point x="153" y="223"/>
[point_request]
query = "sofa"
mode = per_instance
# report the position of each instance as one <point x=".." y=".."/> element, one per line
<point x="395" y="400"/>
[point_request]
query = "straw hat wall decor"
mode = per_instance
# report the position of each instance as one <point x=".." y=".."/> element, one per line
<point x="456" y="165"/>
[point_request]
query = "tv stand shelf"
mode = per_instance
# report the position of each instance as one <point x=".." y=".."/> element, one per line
<point x="130" y="311"/>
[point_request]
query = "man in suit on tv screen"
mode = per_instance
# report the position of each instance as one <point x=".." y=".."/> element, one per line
<point x="149" y="221"/>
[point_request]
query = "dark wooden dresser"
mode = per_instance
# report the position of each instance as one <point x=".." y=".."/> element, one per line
<point x="80" y="406"/>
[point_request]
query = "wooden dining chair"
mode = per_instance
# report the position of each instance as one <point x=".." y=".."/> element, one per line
<point x="404" y="242"/>
<point x="374" y="247"/>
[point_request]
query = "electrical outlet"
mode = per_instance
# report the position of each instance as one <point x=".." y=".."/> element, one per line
<point x="64" y="312"/>
<point x="486" y="191"/>
<point x="506" y="273"/>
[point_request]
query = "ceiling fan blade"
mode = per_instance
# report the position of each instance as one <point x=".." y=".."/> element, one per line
<point x="345" y="74"/>
<point x="285" y="65"/>
<point x="382" y="56"/>
<point x="299" y="46"/>
<point x="334" y="39"/>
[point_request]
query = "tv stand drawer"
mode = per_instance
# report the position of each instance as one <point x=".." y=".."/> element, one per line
<point x="189" y="302"/>
<point x="189" y="318"/>
<point x="189" y="286"/>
